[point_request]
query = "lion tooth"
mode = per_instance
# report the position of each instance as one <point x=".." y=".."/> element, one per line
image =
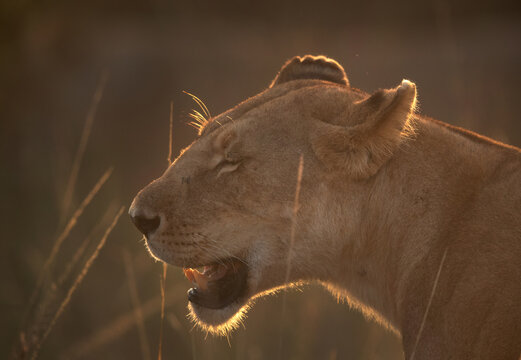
<point x="189" y="274"/>
<point x="201" y="280"/>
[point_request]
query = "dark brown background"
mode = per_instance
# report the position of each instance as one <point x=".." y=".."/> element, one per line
<point x="465" y="59"/>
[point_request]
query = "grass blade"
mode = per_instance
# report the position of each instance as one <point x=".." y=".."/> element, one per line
<point x="170" y="133"/>
<point x="434" y="286"/>
<point x="76" y="283"/>
<point x="61" y="237"/>
<point x="163" y="284"/>
<point x="145" y="348"/>
<point x="118" y="327"/>
<point x="296" y="204"/>
<point x="82" y="145"/>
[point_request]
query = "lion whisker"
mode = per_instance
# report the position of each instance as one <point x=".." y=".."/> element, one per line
<point x="196" y="126"/>
<point x="197" y="116"/>
<point x="200" y="103"/>
<point x="227" y="252"/>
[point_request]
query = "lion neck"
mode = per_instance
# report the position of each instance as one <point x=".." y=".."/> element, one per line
<point x="379" y="230"/>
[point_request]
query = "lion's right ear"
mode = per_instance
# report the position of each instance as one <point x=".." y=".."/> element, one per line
<point x="378" y="126"/>
<point x="311" y="67"/>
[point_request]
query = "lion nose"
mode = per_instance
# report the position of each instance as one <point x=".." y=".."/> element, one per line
<point x="145" y="224"/>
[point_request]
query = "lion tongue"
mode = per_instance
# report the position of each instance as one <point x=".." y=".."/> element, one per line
<point x="210" y="273"/>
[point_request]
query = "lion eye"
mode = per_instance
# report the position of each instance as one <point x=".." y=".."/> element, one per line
<point x="227" y="166"/>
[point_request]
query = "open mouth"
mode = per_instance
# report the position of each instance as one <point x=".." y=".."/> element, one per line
<point x="217" y="285"/>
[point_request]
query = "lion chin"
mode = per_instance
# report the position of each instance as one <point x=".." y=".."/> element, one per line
<point x="220" y="296"/>
<point x="218" y="321"/>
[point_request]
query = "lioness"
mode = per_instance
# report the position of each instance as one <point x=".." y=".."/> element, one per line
<point x="412" y="220"/>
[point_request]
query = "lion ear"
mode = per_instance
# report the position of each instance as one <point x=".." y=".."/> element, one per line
<point x="382" y="122"/>
<point x="311" y="67"/>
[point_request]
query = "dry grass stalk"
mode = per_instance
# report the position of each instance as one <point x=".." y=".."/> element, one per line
<point x="170" y="133"/>
<point x="434" y="286"/>
<point x="64" y="276"/>
<point x="87" y="127"/>
<point x="74" y="261"/>
<point x="118" y="327"/>
<point x="45" y="307"/>
<point x="59" y="240"/>
<point x="163" y="285"/>
<point x="163" y="275"/>
<point x="296" y="204"/>
<point x="143" y="339"/>
<point x="76" y="283"/>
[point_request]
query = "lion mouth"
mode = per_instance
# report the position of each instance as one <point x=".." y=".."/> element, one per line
<point x="217" y="285"/>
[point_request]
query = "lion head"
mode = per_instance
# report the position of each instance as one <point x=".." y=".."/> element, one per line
<point x="228" y="205"/>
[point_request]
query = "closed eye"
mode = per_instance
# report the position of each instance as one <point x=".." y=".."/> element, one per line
<point x="226" y="167"/>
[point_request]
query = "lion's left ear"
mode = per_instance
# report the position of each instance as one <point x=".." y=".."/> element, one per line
<point x="381" y="123"/>
<point x="311" y="67"/>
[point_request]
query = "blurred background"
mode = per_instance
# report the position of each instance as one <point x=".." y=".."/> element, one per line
<point x="464" y="57"/>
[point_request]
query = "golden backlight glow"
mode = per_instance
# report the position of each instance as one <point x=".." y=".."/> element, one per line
<point x="87" y="97"/>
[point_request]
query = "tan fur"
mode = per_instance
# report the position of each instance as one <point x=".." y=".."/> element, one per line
<point x="379" y="205"/>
